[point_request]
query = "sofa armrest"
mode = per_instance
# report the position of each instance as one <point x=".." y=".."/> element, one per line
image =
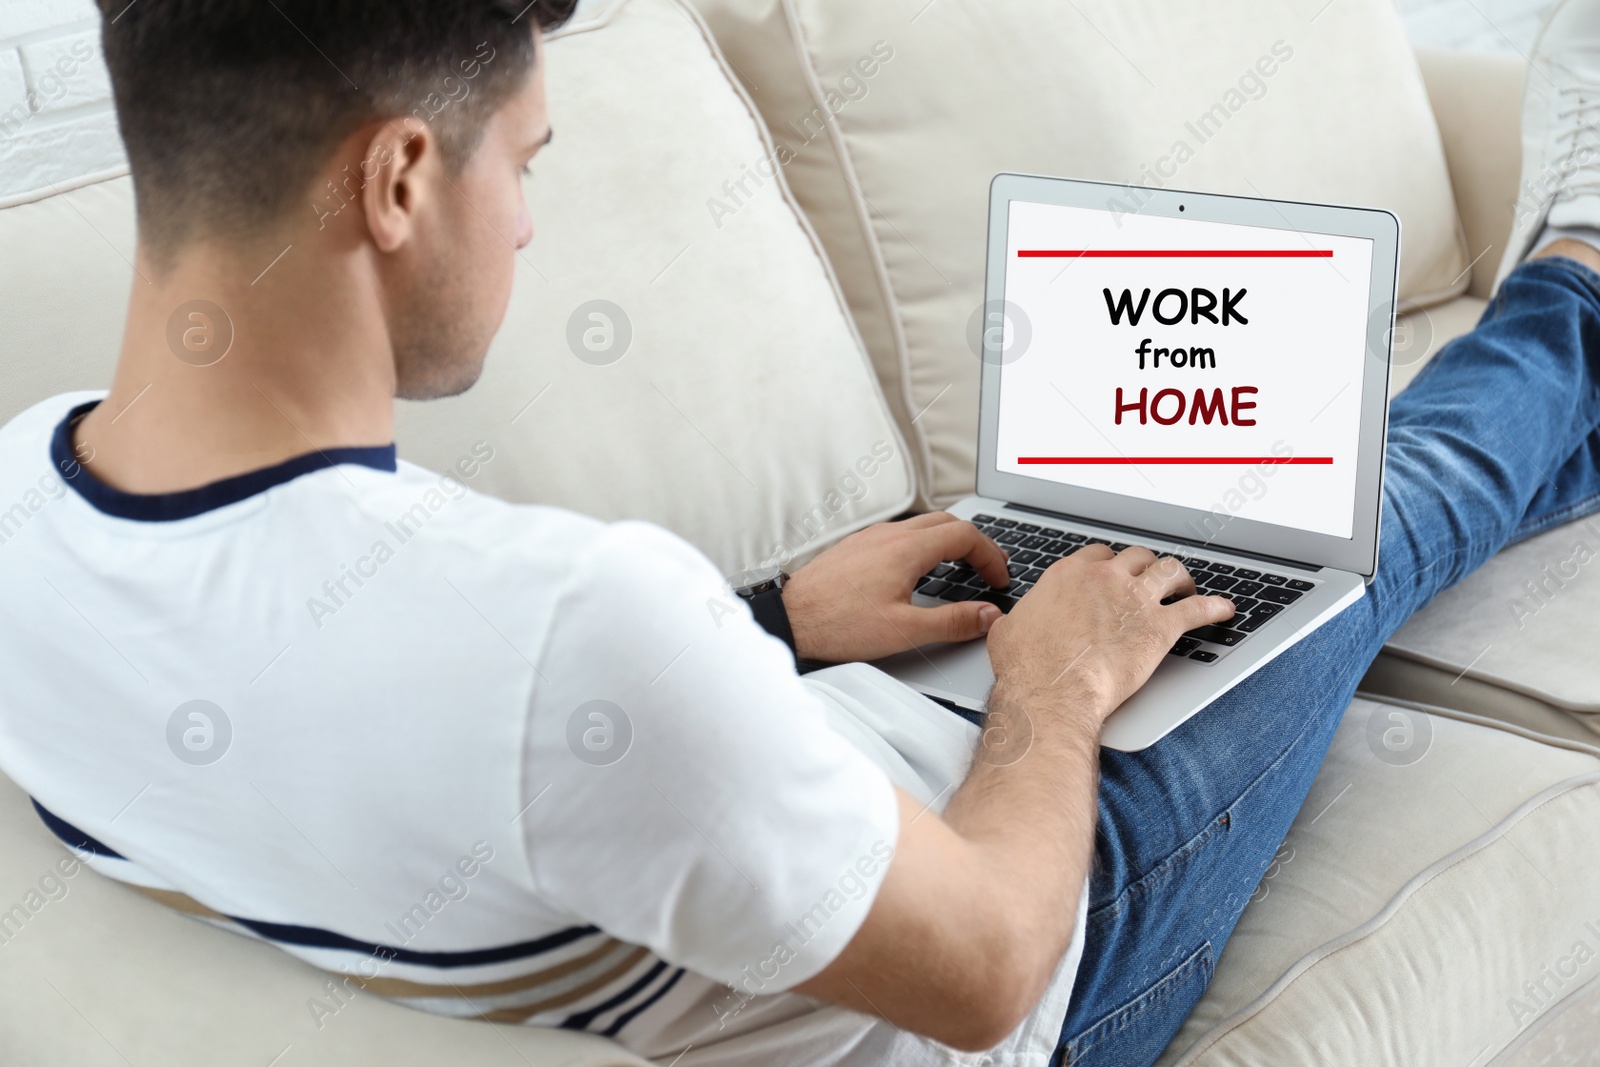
<point x="1477" y="102"/>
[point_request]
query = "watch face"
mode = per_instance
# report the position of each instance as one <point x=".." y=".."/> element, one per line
<point x="759" y="576"/>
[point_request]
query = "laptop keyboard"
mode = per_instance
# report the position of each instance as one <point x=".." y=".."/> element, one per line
<point x="1258" y="596"/>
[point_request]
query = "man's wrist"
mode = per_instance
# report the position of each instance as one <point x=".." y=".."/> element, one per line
<point x="799" y="616"/>
<point x="1070" y="705"/>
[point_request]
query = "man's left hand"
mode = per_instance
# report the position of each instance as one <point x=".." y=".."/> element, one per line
<point x="853" y="602"/>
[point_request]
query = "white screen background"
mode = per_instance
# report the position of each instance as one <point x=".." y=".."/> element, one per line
<point x="1304" y="350"/>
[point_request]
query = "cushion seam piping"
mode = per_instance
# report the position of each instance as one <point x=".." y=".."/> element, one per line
<point x="908" y="465"/>
<point x="891" y="302"/>
<point x="1361" y="933"/>
<point x="1525" y="689"/>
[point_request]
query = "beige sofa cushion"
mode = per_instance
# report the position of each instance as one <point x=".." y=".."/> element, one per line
<point x="1477" y="103"/>
<point x="1522" y="626"/>
<point x="93" y="974"/>
<point x="743" y="413"/>
<point x="893" y="116"/>
<point x="1415" y="895"/>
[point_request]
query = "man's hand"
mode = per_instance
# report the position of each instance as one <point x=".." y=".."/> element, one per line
<point x="977" y="907"/>
<point x="853" y="602"/>
<point x="1099" y="617"/>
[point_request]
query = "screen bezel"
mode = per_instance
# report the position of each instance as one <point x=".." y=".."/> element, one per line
<point x="1358" y="553"/>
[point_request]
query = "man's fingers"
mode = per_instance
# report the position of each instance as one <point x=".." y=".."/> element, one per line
<point x="1195" y="611"/>
<point x="1088" y="554"/>
<point x="1166" y="577"/>
<point x="961" y="540"/>
<point x="932" y="518"/>
<point x="1134" y="560"/>
<point x="949" y="622"/>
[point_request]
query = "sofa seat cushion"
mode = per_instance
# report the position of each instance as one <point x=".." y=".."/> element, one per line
<point x="1436" y="901"/>
<point x="657" y="362"/>
<point x="1514" y="641"/>
<point x="892" y="117"/>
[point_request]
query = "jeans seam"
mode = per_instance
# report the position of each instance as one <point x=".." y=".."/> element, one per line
<point x="1161" y="871"/>
<point x="1120" y="1018"/>
<point x="1423" y="575"/>
<point x="1575" y="510"/>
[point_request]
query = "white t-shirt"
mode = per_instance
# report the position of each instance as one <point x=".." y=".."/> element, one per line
<point x="484" y="759"/>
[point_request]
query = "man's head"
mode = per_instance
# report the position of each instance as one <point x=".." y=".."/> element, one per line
<point x="402" y="125"/>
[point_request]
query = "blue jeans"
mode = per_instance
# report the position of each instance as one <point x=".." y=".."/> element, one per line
<point x="1495" y="441"/>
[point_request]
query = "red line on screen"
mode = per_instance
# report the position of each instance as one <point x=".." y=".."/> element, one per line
<point x="1175" y="253"/>
<point x="1175" y="460"/>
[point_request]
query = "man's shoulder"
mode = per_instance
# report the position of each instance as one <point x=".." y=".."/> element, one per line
<point x="445" y="513"/>
<point x="27" y="474"/>
<point x="40" y="420"/>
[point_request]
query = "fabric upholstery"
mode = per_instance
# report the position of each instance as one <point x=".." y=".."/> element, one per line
<point x="1524" y="624"/>
<point x="1477" y="101"/>
<point x="899" y="120"/>
<point x="1411" y="902"/>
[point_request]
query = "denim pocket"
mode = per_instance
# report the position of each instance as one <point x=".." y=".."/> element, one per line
<point x="1138" y="1032"/>
<point x="1179" y="864"/>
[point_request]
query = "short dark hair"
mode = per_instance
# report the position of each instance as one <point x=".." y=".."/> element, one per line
<point x="228" y="107"/>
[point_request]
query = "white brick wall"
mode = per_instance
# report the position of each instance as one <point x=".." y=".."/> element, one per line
<point x="57" y="123"/>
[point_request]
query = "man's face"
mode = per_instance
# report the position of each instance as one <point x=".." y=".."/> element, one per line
<point x="453" y="300"/>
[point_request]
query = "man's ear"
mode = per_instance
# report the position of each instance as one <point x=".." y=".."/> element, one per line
<point x="396" y="171"/>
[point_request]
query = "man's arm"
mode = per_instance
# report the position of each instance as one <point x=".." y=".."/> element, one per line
<point x="978" y="907"/>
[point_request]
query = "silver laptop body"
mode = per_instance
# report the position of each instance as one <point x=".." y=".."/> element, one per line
<point x="1317" y="282"/>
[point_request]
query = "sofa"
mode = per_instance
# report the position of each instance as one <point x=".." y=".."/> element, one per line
<point x="744" y="317"/>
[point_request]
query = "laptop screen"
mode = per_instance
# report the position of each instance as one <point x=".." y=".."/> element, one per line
<point x="1207" y="365"/>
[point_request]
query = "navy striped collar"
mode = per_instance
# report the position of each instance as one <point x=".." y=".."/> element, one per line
<point x="187" y="503"/>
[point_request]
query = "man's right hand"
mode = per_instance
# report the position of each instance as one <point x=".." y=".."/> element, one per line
<point x="977" y="908"/>
<point x="1098" y="617"/>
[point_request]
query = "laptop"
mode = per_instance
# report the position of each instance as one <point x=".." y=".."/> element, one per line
<point x="1203" y="375"/>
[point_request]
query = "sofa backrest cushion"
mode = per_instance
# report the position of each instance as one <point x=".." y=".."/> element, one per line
<point x="656" y="363"/>
<point x="891" y="118"/>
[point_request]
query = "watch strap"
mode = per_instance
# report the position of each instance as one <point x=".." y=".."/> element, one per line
<point x="771" y="615"/>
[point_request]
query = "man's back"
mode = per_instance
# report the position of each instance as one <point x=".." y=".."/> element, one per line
<point x="431" y="740"/>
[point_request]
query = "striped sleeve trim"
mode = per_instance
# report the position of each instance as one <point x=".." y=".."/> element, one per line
<point x="583" y="1019"/>
<point x="643" y="1006"/>
<point x="73" y="837"/>
<point x="313" y="937"/>
<point x="535" y="998"/>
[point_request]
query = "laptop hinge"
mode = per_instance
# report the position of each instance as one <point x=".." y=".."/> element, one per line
<point x="1202" y="545"/>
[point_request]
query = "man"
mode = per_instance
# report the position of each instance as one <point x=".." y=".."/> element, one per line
<point x="522" y="772"/>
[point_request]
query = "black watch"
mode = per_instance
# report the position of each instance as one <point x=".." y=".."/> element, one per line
<point x="762" y="589"/>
